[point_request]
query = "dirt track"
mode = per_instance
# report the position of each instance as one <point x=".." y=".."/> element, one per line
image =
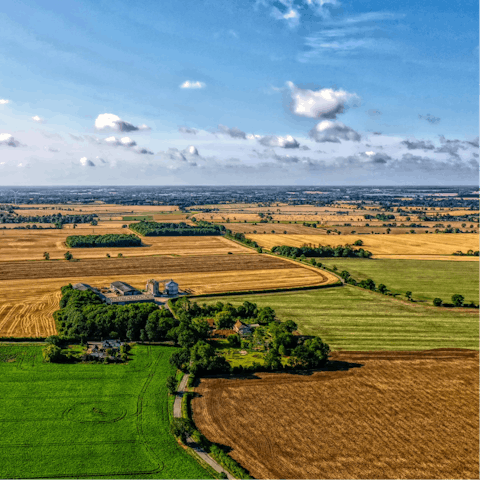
<point x="372" y="415"/>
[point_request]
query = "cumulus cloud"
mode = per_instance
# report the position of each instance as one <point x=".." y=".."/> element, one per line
<point x="451" y="147"/>
<point x="192" y="84"/>
<point x="4" y="101"/>
<point x="376" y="133"/>
<point x="85" y="162"/>
<point x="325" y="103"/>
<point x="418" y="144"/>
<point x="429" y="118"/>
<point x="122" y="142"/>
<point x="190" y="131"/>
<point x="188" y="156"/>
<point x="111" y="122"/>
<point x="473" y="143"/>
<point x="9" y="140"/>
<point x="143" y="151"/>
<point x="38" y="119"/>
<point x="328" y="131"/>
<point x="232" y="132"/>
<point x="191" y="150"/>
<point x="283" y="142"/>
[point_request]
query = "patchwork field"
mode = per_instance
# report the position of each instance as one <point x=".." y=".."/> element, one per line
<point x="351" y="318"/>
<point x="32" y="287"/>
<point x="30" y="245"/>
<point x="88" y="420"/>
<point x="370" y="415"/>
<point x="427" y="279"/>
<point x="408" y="244"/>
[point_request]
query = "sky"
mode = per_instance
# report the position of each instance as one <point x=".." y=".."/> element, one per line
<point x="251" y="92"/>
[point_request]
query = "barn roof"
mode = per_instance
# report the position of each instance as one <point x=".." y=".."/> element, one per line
<point x="123" y="287"/>
<point x="83" y="287"/>
<point x="171" y="283"/>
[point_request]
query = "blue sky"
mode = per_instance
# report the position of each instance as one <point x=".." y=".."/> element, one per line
<point x="250" y="92"/>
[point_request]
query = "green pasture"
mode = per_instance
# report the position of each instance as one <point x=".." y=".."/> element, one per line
<point x="138" y="218"/>
<point x="426" y="279"/>
<point x="351" y="318"/>
<point x="88" y="420"/>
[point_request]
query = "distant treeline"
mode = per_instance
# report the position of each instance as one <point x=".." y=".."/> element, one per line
<point x="53" y="218"/>
<point x="240" y="237"/>
<point x="155" y="229"/>
<point x="109" y="240"/>
<point x="321" y="251"/>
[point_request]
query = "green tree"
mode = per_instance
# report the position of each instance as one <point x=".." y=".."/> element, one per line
<point x="46" y="255"/>
<point x="181" y="428"/>
<point x="382" y="289"/>
<point x="358" y="243"/>
<point x="234" y="340"/>
<point x="437" y="302"/>
<point x="408" y="294"/>
<point x="458" y="300"/>
<point x="52" y="353"/>
<point x="68" y="256"/>
<point x="345" y="275"/>
<point x="273" y="360"/>
<point x="171" y="384"/>
<point x="224" y="320"/>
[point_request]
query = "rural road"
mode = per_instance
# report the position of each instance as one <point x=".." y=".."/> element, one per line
<point x="177" y="413"/>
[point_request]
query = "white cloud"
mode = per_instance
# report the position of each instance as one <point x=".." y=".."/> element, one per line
<point x="85" y="162"/>
<point x="126" y="142"/>
<point x="192" y="84"/>
<point x="291" y="16"/>
<point x="369" y="153"/>
<point x="4" y="101"/>
<point x="232" y="132"/>
<point x="38" y="119"/>
<point x="323" y="103"/>
<point x="144" y="127"/>
<point x="328" y="131"/>
<point x="191" y="131"/>
<point x="283" y="142"/>
<point x="111" y="122"/>
<point x="191" y="150"/>
<point x="7" y="139"/>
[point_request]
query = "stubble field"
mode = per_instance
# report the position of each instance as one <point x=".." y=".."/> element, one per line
<point x="407" y="244"/>
<point x="370" y="415"/>
<point x="32" y="287"/>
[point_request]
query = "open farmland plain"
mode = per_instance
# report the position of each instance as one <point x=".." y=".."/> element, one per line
<point x="351" y="318"/>
<point x="368" y="415"/>
<point x="88" y="420"/>
<point x="33" y="286"/>
<point x="407" y="244"/>
<point x="30" y="245"/>
<point x="427" y="279"/>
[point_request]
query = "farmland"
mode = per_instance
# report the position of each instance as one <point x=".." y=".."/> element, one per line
<point x="33" y="287"/>
<point x="406" y="244"/>
<point x="351" y="318"/>
<point x="370" y="415"/>
<point x="427" y="279"/>
<point x="88" y="420"/>
<point x="30" y="245"/>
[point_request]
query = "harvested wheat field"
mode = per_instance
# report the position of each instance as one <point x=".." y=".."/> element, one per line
<point x="30" y="290"/>
<point x="31" y="244"/>
<point x="368" y="415"/>
<point x="406" y="244"/>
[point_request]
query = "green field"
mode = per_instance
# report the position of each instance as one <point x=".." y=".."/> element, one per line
<point x="351" y="318"/>
<point x="427" y="279"/>
<point x="138" y="218"/>
<point x="88" y="420"/>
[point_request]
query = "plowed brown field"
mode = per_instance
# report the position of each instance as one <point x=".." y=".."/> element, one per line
<point x="30" y="289"/>
<point x="370" y="415"/>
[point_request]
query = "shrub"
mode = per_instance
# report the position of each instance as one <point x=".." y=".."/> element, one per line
<point x="437" y="302"/>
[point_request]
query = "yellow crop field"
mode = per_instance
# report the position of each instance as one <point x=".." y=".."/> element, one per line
<point x="406" y="244"/>
<point x="31" y="244"/>
<point x="30" y="290"/>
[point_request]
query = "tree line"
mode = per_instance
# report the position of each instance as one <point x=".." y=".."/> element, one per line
<point x="108" y="240"/>
<point x="155" y="229"/>
<point x="53" y="218"/>
<point x="320" y="251"/>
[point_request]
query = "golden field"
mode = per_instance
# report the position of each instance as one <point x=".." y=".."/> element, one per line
<point x="31" y="244"/>
<point x="30" y="290"/>
<point x="406" y="244"/>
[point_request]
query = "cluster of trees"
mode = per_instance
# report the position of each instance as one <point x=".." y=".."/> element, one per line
<point x="109" y="240"/>
<point x="380" y="216"/>
<point x="83" y="315"/>
<point x="240" y="237"/>
<point x="155" y="229"/>
<point x="321" y="251"/>
<point x="470" y="253"/>
<point x="457" y="301"/>
<point x="6" y="217"/>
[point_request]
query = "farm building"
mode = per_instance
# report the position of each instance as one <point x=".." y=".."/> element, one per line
<point x="241" y="328"/>
<point x="171" y="288"/>
<point x="123" y="288"/>
<point x="83" y="287"/>
<point x="114" y="299"/>
<point x="153" y="288"/>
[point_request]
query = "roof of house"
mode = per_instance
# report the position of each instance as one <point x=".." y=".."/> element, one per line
<point x="129" y="298"/>
<point x="123" y="287"/>
<point x="239" y="324"/>
<point x="171" y="283"/>
<point x="83" y="287"/>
